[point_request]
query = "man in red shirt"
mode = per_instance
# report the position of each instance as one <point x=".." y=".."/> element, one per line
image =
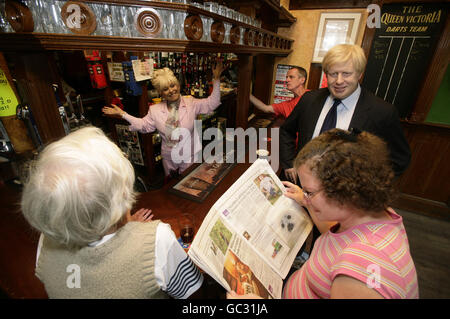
<point x="295" y="82"/>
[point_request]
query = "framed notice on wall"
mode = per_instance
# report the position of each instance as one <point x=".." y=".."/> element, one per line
<point x="335" y="28"/>
<point x="281" y="93"/>
<point x="401" y="52"/>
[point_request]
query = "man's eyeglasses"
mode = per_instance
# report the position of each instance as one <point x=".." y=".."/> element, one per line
<point x="310" y="195"/>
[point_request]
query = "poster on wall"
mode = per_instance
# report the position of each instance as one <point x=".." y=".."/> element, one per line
<point x="281" y="93"/>
<point x="401" y="52"/>
<point x="335" y="28"/>
<point x="143" y="70"/>
<point x="129" y="144"/>
<point x="116" y="72"/>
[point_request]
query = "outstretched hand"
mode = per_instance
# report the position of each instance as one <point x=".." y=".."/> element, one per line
<point x="217" y="70"/>
<point x="113" y="111"/>
<point x="142" y="215"/>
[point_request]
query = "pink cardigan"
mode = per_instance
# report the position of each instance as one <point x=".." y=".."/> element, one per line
<point x="189" y="108"/>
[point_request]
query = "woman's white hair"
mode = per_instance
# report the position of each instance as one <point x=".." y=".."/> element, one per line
<point x="162" y="78"/>
<point x="79" y="188"/>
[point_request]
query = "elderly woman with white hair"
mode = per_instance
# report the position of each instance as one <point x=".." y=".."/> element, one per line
<point x="174" y="112"/>
<point x="79" y="196"/>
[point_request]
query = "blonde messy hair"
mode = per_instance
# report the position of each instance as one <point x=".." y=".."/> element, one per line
<point x="163" y="78"/>
<point x="343" y="53"/>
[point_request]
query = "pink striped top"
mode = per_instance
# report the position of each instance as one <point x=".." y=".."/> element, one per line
<point x="374" y="253"/>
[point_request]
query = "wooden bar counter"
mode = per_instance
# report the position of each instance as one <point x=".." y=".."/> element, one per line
<point x="168" y="207"/>
<point x="19" y="242"/>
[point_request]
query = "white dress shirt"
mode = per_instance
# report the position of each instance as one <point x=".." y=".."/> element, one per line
<point x="344" y="110"/>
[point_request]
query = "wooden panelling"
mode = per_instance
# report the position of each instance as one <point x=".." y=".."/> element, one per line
<point x="332" y="4"/>
<point x="41" y="41"/>
<point x="315" y="72"/>
<point x="427" y="178"/>
<point x="262" y="83"/>
<point x="434" y="76"/>
<point x="245" y="77"/>
<point x="35" y="74"/>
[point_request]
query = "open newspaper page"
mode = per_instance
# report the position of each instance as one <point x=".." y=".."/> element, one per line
<point x="250" y="237"/>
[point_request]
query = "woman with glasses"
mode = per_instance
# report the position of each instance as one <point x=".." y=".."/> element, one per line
<point x="363" y="250"/>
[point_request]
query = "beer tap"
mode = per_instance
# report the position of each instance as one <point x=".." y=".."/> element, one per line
<point x="73" y="121"/>
<point x="81" y="109"/>
<point x="61" y="109"/>
<point x="5" y="143"/>
<point x="23" y="112"/>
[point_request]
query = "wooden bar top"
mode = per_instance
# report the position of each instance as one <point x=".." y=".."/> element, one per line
<point x="168" y="207"/>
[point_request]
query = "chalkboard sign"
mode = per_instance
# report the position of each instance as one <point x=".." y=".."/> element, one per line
<point x="401" y="51"/>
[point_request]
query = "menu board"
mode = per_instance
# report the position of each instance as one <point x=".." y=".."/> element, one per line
<point x="401" y="51"/>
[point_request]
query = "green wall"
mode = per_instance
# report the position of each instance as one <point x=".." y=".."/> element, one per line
<point x="440" y="109"/>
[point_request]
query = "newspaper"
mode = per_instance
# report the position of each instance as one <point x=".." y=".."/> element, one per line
<point x="252" y="234"/>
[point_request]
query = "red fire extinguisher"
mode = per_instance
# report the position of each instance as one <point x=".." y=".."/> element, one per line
<point x="96" y="72"/>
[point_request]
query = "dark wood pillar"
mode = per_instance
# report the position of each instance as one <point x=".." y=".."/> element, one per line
<point x="15" y="127"/>
<point x="262" y="85"/>
<point x="244" y="79"/>
<point x="35" y="75"/>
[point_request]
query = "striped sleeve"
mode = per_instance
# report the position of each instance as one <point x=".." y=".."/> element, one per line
<point x="175" y="273"/>
<point x="371" y="266"/>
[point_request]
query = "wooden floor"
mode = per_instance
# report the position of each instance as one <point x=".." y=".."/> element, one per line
<point x="429" y="242"/>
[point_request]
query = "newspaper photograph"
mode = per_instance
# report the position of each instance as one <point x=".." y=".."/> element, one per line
<point x="250" y="237"/>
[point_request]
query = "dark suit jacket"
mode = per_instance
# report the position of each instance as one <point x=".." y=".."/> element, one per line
<point x="372" y="114"/>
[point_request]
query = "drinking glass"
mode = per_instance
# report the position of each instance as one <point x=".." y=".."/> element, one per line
<point x="104" y="19"/>
<point x="198" y="5"/>
<point x="227" y="32"/>
<point x="126" y="21"/>
<point x="4" y="24"/>
<point x="167" y="21"/>
<point x="222" y="10"/>
<point x="211" y="6"/>
<point x="118" y="24"/>
<point x="187" y="228"/>
<point x="206" y="28"/>
<point x="51" y="16"/>
<point x="229" y="13"/>
<point x="177" y="29"/>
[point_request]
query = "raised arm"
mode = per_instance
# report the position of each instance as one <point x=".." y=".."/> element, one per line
<point x="143" y="125"/>
<point x="204" y="106"/>
<point x="113" y="111"/>
<point x="260" y="105"/>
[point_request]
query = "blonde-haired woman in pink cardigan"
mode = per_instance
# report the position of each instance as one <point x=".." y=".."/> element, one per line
<point x="174" y="112"/>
